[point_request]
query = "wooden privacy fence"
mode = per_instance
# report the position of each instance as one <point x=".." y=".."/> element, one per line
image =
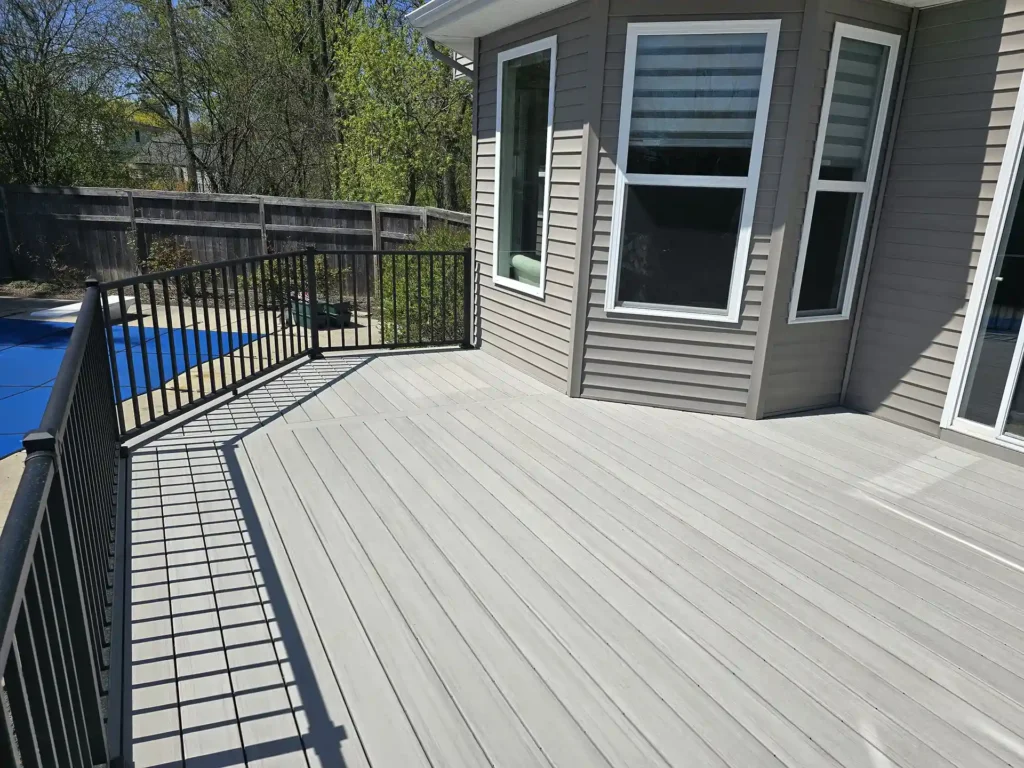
<point x="107" y="232"/>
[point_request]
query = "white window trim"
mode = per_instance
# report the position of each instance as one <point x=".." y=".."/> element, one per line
<point x="866" y="188"/>
<point x="749" y="183"/>
<point x="547" y="44"/>
<point x="995" y="229"/>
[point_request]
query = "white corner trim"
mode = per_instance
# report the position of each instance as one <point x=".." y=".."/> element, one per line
<point x="547" y="44"/>
<point x="768" y="27"/>
<point x="994" y="229"/>
<point x="864" y="188"/>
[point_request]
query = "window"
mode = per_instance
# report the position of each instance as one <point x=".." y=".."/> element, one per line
<point x="853" y="116"/>
<point x="694" y="111"/>
<point x="525" y="106"/>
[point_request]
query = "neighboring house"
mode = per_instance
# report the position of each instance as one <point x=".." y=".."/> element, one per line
<point x="754" y="208"/>
<point x="160" y="154"/>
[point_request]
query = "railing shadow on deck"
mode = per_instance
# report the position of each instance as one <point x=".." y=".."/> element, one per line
<point x="204" y="447"/>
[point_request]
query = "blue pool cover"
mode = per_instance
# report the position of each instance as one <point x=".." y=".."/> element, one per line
<point x="31" y="352"/>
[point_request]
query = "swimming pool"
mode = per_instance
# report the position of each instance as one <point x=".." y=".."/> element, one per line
<point x="31" y="352"/>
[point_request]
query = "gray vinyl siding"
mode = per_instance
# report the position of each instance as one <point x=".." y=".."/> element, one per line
<point x="699" y="366"/>
<point x="530" y="333"/>
<point x="806" y="363"/>
<point x="963" y="79"/>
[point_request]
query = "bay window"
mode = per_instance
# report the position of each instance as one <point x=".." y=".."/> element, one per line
<point x="522" y="184"/>
<point x="853" y="115"/>
<point x="691" y="132"/>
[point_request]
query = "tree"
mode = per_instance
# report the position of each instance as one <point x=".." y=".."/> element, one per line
<point x="406" y="120"/>
<point x="60" y="119"/>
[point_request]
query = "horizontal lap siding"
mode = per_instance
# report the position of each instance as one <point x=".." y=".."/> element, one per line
<point x="963" y="80"/>
<point x="531" y="333"/>
<point x="806" y="362"/>
<point x="698" y="366"/>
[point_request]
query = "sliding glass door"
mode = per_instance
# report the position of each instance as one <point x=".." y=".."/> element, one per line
<point x="994" y="389"/>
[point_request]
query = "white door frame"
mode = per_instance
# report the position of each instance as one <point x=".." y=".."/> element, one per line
<point x="995" y="230"/>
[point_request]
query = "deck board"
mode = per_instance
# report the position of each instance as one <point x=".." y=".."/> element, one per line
<point x="432" y="559"/>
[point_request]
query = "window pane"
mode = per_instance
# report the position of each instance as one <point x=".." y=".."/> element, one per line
<point x="1001" y="323"/>
<point x="694" y="104"/>
<point x="523" y="164"/>
<point x="856" y="98"/>
<point x="827" y="261"/>
<point x="678" y="246"/>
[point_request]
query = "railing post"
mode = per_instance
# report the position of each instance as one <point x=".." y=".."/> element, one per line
<point x="467" y="298"/>
<point x="313" y="308"/>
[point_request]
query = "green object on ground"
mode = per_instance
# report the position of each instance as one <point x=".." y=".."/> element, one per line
<point x="326" y="316"/>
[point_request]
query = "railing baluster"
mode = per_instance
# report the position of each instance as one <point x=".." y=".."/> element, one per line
<point x="41" y="715"/>
<point x="369" y="304"/>
<point x="444" y="298"/>
<point x="211" y="361"/>
<point x="195" y="334"/>
<point x="248" y="316"/>
<point x="128" y="357"/>
<point x="144" y="350"/>
<point x="184" y="338"/>
<point x="419" y="296"/>
<point x="50" y="687"/>
<point x="394" y="300"/>
<point x="220" y="334"/>
<point x="108" y="328"/>
<point x="171" y="345"/>
<point x="157" y="345"/>
<point x="341" y="296"/>
<point x="408" y="339"/>
<point x="380" y="294"/>
<point x="278" y="323"/>
<point x="62" y="630"/>
<point x="433" y="323"/>
<point x="22" y="716"/>
<point x="7" y="737"/>
<point x="230" y="335"/>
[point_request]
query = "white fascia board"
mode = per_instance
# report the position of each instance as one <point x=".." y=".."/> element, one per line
<point x="457" y="23"/>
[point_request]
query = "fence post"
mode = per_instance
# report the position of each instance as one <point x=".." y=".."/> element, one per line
<point x="312" y="306"/>
<point x="467" y="299"/>
<point x="10" y="271"/>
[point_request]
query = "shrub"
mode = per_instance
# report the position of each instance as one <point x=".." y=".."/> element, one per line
<point x="433" y="286"/>
<point x="166" y="253"/>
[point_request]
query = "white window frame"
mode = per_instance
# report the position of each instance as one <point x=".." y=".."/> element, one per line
<point x="748" y="183"/>
<point x="865" y="188"/>
<point x="547" y="44"/>
<point x="999" y="221"/>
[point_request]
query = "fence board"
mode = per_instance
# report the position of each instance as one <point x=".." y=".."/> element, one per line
<point x="106" y="231"/>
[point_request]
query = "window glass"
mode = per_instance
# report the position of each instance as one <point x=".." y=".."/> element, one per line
<point x="694" y="104"/>
<point x="853" y="113"/>
<point x="828" y="248"/>
<point x="678" y="247"/>
<point x="993" y="352"/>
<point x="523" y="165"/>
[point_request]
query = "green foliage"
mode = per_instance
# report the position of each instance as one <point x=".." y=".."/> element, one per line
<point x="166" y="253"/>
<point x="60" y="122"/>
<point x="406" y="122"/>
<point x="53" y="267"/>
<point x="433" y="284"/>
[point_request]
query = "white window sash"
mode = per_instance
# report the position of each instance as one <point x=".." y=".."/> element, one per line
<point x="547" y="44"/>
<point x="864" y="188"/>
<point x="748" y="183"/>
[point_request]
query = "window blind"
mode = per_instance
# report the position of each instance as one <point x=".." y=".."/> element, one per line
<point x="696" y="90"/>
<point x="856" y="95"/>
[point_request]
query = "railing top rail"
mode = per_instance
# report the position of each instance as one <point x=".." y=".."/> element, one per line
<point x="152" y="276"/>
<point x="156" y="276"/>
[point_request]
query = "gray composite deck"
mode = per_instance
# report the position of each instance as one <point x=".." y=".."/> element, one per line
<point x="430" y="560"/>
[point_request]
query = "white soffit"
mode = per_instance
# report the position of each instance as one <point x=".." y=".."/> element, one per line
<point x="456" y="23"/>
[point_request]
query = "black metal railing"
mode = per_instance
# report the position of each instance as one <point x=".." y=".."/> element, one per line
<point x="180" y="338"/>
<point x="56" y="558"/>
<point x="142" y="351"/>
